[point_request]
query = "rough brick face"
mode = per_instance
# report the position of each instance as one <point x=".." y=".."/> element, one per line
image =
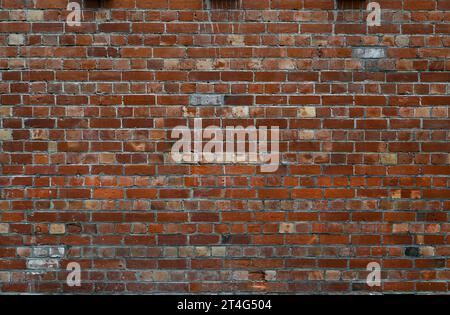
<point x="86" y="118"/>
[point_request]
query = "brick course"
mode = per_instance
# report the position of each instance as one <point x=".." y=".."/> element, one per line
<point x="86" y="116"/>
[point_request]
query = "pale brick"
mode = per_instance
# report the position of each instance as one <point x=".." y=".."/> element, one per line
<point x="35" y="15"/>
<point x="287" y="64"/>
<point x="422" y="112"/>
<point x="307" y="111"/>
<point x="170" y="251"/>
<point x="46" y="263"/>
<point x="5" y="276"/>
<point x="218" y="251"/>
<point x="402" y="40"/>
<point x="396" y="194"/>
<point x="41" y="251"/>
<point x="57" y="251"/>
<point x="204" y="64"/>
<point x="287" y="228"/>
<point x="5" y="134"/>
<point x="4" y="228"/>
<point x="57" y="228"/>
<point x="390" y="158"/>
<point x="16" y="39"/>
<point x="432" y="228"/>
<point x="240" y="111"/>
<point x="5" y="111"/>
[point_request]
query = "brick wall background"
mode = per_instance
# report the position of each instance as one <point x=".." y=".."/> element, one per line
<point x="85" y="120"/>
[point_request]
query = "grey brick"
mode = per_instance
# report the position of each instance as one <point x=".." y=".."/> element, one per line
<point x="369" y="52"/>
<point x="206" y="100"/>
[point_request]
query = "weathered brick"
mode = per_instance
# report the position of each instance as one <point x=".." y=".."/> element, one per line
<point x="42" y="264"/>
<point x="57" y="228"/>
<point x="16" y="39"/>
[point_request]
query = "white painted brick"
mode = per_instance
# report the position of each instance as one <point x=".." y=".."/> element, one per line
<point x="23" y="251"/>
<point x="218" y="251"/>
<point x="206" y="100"/>
<point x="204" y="64"/>
<point x="57" y="228"/>
<point x="39" y="134"/>
<point x="306" y="134"/>
<point x="5" y="276"/>
<point x="240" y="111"/>
<point x="52" y="146"/>
<point x="270" y="275"/>
<point x="46" y="263"/>
<point x="41" y="251"/>
<point x="16" y="39"/>
<point x="236" y="40"/>
<point x="369" y="52"/>
<point x="287" y="228"/>
<point x="389" y="158"/>
<point x="57" y="251"/>
<point x="427" y="251"/>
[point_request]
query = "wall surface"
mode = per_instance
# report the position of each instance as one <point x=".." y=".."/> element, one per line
<point x="86" y="117"/>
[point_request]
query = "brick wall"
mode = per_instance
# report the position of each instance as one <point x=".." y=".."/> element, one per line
<point x="86" y="118"/>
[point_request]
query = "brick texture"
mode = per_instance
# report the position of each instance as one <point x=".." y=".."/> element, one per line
<point x="86" y="116"/>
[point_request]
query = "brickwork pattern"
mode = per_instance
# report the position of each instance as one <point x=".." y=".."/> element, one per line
<point x="85" y="134"/>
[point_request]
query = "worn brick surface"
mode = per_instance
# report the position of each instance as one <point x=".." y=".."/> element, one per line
<point x="86" y="116"/>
